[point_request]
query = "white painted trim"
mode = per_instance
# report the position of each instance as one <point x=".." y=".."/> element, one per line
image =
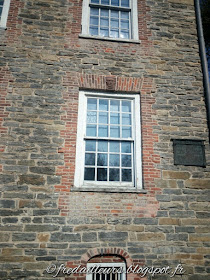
<point x="134" y="21"/>
<point x="4" y="15"/>
<point x="80" y="147"/>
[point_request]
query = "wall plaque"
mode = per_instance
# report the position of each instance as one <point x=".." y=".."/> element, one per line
<point x="189" y="152"/>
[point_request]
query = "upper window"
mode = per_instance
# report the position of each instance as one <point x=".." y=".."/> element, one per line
<point x="108" y="143"/>
<point x="4" y="10"/>
<point x="110" y="18"/>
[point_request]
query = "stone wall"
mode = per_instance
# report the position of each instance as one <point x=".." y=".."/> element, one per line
<point x="44" y="63"/>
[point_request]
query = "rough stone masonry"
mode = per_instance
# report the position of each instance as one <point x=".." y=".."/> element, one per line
<point x="44" y="62"/>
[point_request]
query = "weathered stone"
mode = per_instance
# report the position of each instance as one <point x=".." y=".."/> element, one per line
<point x="178" y="175"/>
<point x="198" y="183"/>
<point x="31" y="179"/>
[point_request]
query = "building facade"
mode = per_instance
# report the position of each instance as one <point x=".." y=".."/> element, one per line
<point x="105" y="159"/>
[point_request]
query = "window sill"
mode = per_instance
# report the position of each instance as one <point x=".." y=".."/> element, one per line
<point x="107" y="190"/>
<point x="110" y="39"/>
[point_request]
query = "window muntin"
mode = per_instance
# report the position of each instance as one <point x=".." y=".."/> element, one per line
<point x="114" y="160"/>
<point x="109" y="160"/>
<point x="4" y="10"/>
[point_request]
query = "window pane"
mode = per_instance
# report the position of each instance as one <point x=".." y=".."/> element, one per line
<point x="93" y="30"/>
<point x="114" y="23"/>
<point x="91" y="117"/>
<point x="103" y="118"/>
<point x="115" y="131"/>
<point x="102" y="160"/>
<point x="114" y="160"/>
<point x="102" y="174"/>
<point x="125" y="3"/>
<point x="114" y="146"/>
<point x="90" y="145"/>
<point x="126" y="106"/>
<point x="92" y="104"/>
<point x="1" y="2"/>
<point x="102" y="146"/>
<point x="94" y="11"/>
<point x="126" y="119"/>
<point x="115" y="118"/>
<point x="104" y="13"/>
<point x="114" y="175"/>
<point x="126" y="160"/>
<point x="124" y="35"/>
<point x="105" y="2"/>
<point x="104" y="32"/>
<point x="89" y="159"/>
<point x="126" y="175"/>
<point x="126" y="147"/>
<point x="94" y="21"/>
<point x="1" y="11"/>
<point x="114" y="105"/>
<point x="125" y="25"/>
<point x="103" y="131"/>
<point x="91" y="130"/>
<point x="95" y="1"/>
<point x="126" y="132"/>
<point x="125" y="15"/>
<point x="114" y="34"/>
<point x="114" y="14"/>
<point x="89" y="174"/>
<point x="103" y="105"/>
<point x="104" y="22"/>
<point x="115" y="2"/>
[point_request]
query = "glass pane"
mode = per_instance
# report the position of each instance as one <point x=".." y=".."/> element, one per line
<point x="126" y="160"/>
<point x="91" y="130"/>
<point x="103" y="131"/>
<point x="91" y="117"/>
<point x="125" y="15"/>
<point x="89" y="174"/>
<point x="126" y="132"/>
<point x="1" y="2"/>
<point x="103" y="105"/>
<point x="1" y="11"/>
<point x="114" y="105"/>
<point x="94" y="21"/>
<point x="114" y="14"/>
<point x="126" y="106"/>
<point x="102" y="160"/>
<point x="114" y="23"/>
<point x="125" y="3"/>
<point x="114" y="146"/>
<point x="115" y="131"/>
<point x="115" y="2"/>
<point x="114" y="34"/>
<point x="126" y="147"/>
<point x="125" y="25"/>
<point x="94" y="11"/>
<point x="92" y="104"/>
<point x="104" y="22"/>
<point x="114" y="160"/>
<point x="114" y="175"/>
<point x="89" y="159"/>
<point x="104" y="32"/>
<point x="124" y="35"/>
<point x="102" y="146"/>
<point x="93" y="30"/>
<point x="102" y="174"/>
<point x="95" y="1"/>
<point x="103" y="117"/>
<point x="104" y="13"/>
<point x="126" y="119"/>
<point x="90" y="145"/>
<point x="126" y="175"/>
<point x="105" y="2"/>
<point x="115" y="118"/>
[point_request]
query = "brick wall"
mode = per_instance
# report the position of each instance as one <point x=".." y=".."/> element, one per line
<point x="44" y="63"/>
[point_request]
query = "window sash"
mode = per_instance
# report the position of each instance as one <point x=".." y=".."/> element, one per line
<point x="4" y="13"/>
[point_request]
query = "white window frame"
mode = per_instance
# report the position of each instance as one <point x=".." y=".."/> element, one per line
<point x="4" y="15"/>
<point x="79" y="181"/>
<point x="133" y="21"/>
<point x="91" y="276"/>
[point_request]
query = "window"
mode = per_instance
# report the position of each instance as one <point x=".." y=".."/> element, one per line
<point x="110" y="19"/>
<point x="106" y="271"/>
<point x="108" y="141"/>
<point x="4" y="10"/>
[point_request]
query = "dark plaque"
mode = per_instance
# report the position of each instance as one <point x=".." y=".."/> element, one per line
<point x="189" y="152"/>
